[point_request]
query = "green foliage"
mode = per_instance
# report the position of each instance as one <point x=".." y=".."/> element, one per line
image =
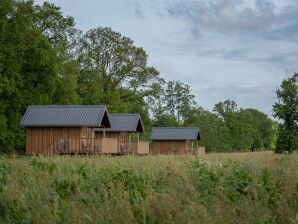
<point x="221" y="188"/>
<point x="66" y="85"/>
<point x="44" y="166"/>
<point x="28" y="71"/>
<point x="112" y="67"/>
<point x="286" y="109"/>
<point x="206" y="181"/>
<point x="214" y="132"/>
<point x="230" y="129"/>
<point x="163" y="119"/>
<point x="175" y="102"/>
<point x="262" y="128"/>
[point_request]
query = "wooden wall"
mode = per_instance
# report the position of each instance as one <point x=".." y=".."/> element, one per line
<point x="99" y="135"/>
<point x="170" y="147"/>
<point x="122" y="137"/>
<point x="39" y="140"/>
<point x="142" y="148"/>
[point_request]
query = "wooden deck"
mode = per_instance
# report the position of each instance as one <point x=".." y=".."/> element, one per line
<point x="93" y="146"/>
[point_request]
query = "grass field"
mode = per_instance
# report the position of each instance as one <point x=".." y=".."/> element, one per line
<point x="215" y="188"/>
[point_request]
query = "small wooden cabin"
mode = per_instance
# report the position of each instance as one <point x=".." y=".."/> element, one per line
<point x="63" y="129"/>
<point x="123" y="126"/>
<point x="174" y="140"/>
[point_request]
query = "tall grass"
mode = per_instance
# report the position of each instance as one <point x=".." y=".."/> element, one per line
<point x="216" y="188"/>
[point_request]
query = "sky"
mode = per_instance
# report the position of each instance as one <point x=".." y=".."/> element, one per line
<point x="224" y="49"/>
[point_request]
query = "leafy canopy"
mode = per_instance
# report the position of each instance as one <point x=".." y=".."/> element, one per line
<point x="112" y="67"/>
<point x="286" y="109"/>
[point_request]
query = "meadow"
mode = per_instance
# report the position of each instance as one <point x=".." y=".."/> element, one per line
<point x="215" y="188"/>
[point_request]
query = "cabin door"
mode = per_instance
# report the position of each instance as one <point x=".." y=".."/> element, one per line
<point x="123" y="142"/>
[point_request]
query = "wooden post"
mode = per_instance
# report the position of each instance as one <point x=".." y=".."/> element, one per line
<point x="138" y="139"/>
<point x="104" y="132"/>
<point x="129" y="143"/>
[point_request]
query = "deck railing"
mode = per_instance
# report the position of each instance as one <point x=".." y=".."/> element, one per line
<point x="75" y="146"/>
<point x="133" y="147"/>
<point x="96" y="146"/>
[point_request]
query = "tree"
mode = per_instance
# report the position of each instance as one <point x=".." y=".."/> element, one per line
<point x="27" y="69"/>
<point x="286" y="110"/>
<point x="60" y="31"/>
<point x="63" y="37"/>
<point x="112" y="67"/>
<point x="162" y="118"/>
<point x="249" y="129"/>
<point x="263" y="129"/>
<point x="225" y="109"/>
<point x="66" y="84"/>
<point x="177" y="100"/>
<point x="35" y="64"/>
<point x="214" y="132"/>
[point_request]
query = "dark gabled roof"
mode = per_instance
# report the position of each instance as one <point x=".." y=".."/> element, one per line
<point x="66" y="116"/>
<point x="124" y="123"/>
<point x="175" y="134"/>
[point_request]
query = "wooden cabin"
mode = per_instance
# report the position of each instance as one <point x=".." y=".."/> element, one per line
<point x="63" y="129"/>
<point x="123" y="126"/>
<point x="174" y="140"/>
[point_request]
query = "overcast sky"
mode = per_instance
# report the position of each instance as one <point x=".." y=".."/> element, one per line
<point x="224" y="49"/>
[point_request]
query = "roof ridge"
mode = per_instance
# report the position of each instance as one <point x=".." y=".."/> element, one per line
<point x="175" y="127"/>
<point x="53" y="105"/>
<point x="125" y="114"/>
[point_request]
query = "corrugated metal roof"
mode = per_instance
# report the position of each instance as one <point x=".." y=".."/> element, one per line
<point x="64" y="116"/>
<point x="124" y="122"/>
<point x="175" y="134"/>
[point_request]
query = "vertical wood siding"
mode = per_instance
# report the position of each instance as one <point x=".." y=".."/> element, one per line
<point x="169" y="147"/>
<point x="123" y="139"/>
<point x="39" y="140"/>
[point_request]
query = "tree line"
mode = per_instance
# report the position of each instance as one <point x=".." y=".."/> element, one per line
<point x="45" y="59"/>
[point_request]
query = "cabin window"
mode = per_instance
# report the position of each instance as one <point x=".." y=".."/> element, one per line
<point x="87" y="133"/>
<point x="90" y="132"/>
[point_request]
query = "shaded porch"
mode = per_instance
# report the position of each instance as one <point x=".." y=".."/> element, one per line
<point x="94" y="146"/>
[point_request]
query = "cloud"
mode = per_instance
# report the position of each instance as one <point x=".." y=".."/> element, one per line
<point x="241" y="53"/>
<point x="288" y="33"/>
<point x="138" y="11"/>
<point x="246" y="95"/>
<point x="236" y="17"/>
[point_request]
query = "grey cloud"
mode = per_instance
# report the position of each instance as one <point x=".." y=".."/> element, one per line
<point x="138" y="11"/>
<point x="286" y="60"/>
<point x="237" y="54"/>
<point x="224" y="15"/>
<point x="234" y="17"/>
<point x="245" y="95"/>
<point x="228" y="54"/>
<point x="288" y="33"/>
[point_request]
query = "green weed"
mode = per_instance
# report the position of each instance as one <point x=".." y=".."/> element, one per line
<point x="217" y="188"/>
